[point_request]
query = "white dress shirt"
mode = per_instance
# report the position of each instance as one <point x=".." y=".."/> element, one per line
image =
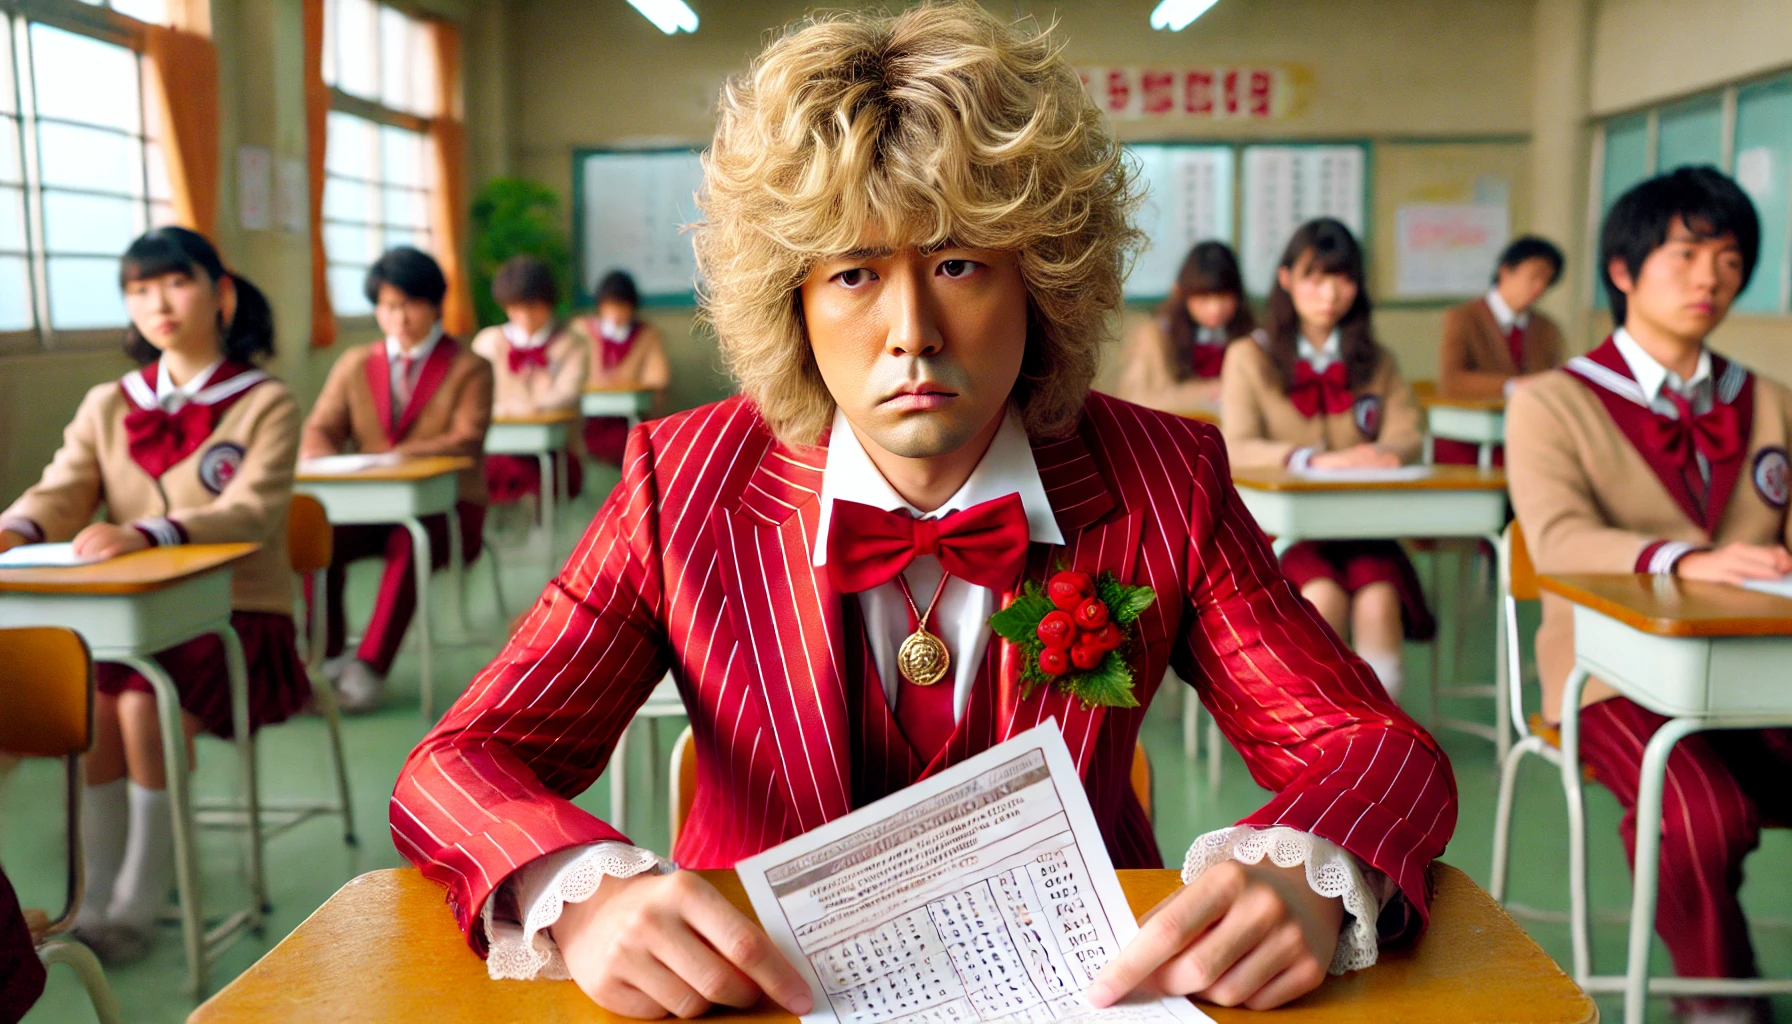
<point x="395" y="351"/>
<point x="170" y="396"/>
<point x="1503" y="315"/>
<point x="514" y="335"/>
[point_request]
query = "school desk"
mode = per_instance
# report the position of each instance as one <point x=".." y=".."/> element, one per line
<point x="1477" y="421"/>
<point x="1206" y="412"/>
<point x="543" y="435"/>
<point x="1449" y="502"/>
<point x="1706" y="655"/>
<point x="385" y="948"/>
<point x="629" y="403"/>
<point x="127" y="609"/>
<point x="403" y="494"/>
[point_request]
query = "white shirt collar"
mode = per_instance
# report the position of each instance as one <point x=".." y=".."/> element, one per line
<point x="1007" y="468"/>
<point x="1653" y="376"/>
<point x="1502" y="313"/>
<point x="1210" y="335"/>
<point x="613" y="333"/>
<point x="395" y="351"/>
<point x="514" y="335"/>
<point x="170" y="396"/>
<point x="1321" y="358"/>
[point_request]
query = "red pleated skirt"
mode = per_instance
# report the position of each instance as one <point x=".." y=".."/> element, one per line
<point x="509" y="478"/>
<point x="1354" y="564"/>
<point x="278" y="686"/>
<point x="606" y="437"/>
<point x="1446" y="452"/>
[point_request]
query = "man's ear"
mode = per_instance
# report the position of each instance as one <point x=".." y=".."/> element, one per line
<point x="1619" y="271"/>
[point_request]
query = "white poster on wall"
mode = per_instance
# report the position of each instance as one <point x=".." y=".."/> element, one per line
<point x="254" y="187"/>
<point x="1444" y="250"/>
<point x="1286" y="186"/>
<point x="633" y="211"/>
<point x="1188" y="199"/>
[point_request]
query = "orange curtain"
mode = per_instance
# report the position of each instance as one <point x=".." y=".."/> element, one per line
<point x="186" y="86"/>
<point x="449" y="219"/>
<point x="317" y="119"/>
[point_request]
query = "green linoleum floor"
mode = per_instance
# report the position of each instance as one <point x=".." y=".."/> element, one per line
<point x="307" y="864"/>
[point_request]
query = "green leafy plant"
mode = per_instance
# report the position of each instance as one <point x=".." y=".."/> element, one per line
<point x="517" y="217"/>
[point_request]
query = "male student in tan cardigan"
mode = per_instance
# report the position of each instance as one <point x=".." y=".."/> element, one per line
<point x="417" y="392"/>
<point x="1653" y="454"/>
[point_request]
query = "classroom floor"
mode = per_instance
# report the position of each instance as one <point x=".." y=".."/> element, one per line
<point x="307" y="864"/>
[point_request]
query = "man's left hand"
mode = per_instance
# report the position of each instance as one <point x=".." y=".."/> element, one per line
<point x="1252" y="935"/>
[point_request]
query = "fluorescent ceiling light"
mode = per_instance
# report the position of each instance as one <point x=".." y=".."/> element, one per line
<point x="670" y="16"/>
<point x="1174" y="15"/>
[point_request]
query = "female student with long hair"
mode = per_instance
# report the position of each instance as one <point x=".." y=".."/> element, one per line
<point x="1174" y="360"/>
<point x="1317" y="391"/>
<point x="195" y="447"/>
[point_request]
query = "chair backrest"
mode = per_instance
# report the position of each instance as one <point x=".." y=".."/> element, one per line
<point x="1521" y="574"/>
<point x="1518" y="582"/>
<point x="1423" y="389"/>
<point x="46" y="676"/>
<point x="307" y="535"/>
<point x="1141" y="780"/>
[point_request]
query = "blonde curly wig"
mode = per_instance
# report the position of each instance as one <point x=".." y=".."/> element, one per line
<point x="937" y="125"/>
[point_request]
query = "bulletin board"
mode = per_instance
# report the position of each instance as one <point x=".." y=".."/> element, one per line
<point x="1443" y="211"/>
<point x="630" y="212"/>
<point x="1188" y="199"/>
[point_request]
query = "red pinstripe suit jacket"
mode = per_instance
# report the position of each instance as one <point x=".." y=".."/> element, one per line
<point x="700" y="562"/>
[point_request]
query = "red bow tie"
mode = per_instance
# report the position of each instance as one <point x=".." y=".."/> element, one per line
<point x="1206" y="359"/>
<point x="523" y="358"/>
<point x="159" y="439"/>
<point x="1313" y="392"/>
<point x="1717" y="434"/>
<point x="985" y="544"/>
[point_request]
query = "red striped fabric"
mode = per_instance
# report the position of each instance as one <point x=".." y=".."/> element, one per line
<point x="699" y="563"/>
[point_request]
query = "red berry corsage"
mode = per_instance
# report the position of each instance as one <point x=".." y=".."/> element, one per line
<point x="1074" y="632"/>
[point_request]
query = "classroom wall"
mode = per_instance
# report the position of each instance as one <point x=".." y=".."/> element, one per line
<point x="1649" y="50"/>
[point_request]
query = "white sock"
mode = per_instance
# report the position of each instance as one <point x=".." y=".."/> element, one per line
<point x="1389" y="668"/>
<point x="103" y="824"/>
<point x="148" y="868"/>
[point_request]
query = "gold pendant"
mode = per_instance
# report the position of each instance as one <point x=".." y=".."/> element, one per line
<point x="923" y="659"/>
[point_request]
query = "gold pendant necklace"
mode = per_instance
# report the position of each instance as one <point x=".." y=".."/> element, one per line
<point x="922" y="659"/>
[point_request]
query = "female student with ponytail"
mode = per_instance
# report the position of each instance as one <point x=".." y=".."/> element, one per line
<point x="196" y="447"/>
<point x="1173" y="363"/>
<point x="1317" y="391"/>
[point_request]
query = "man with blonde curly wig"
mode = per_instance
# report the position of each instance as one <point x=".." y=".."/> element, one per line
<point x="915" y="231"/>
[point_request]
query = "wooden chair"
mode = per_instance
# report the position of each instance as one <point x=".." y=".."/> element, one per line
<point x="683" y="772"/>
<point x="47" y="677"/>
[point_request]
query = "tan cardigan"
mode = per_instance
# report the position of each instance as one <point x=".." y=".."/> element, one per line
<point x="1148" y="377"/>
<point x="94" y="466"/>
<point x="535" y="390"/>
<point x="1588" y="502"/>
<point x="1263" y="428"/>
<point x="453" y="420"/>
<point x="645" y="367"/>
<point x="1474" y="361"/>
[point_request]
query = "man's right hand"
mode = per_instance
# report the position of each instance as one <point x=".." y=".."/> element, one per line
<point x="1734" y="563"/>
<point x="654" y="945"/>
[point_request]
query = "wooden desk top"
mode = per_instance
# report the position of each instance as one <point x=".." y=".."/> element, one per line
<point x="539" y="418"/>
<point x="1671" y="606"/>
<point x="135" y="573"/>
<point x="1206" y="414"/>
<point x="1441" y="478"/>
<point x="385" y="948"/>
<point x="1435" y="401"/>
<point x="408" y="470"/>
<point x="599" y="389"/>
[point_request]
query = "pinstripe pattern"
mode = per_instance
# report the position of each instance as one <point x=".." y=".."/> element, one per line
<point x="699" y="562"/>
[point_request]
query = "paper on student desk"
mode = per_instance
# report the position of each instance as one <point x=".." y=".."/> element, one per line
<point x="1368" y="476"/>
<point x="45" y="556"/>
<point x="1781" y="587"/>
<point x="984" y="893"/>
<point x="330" y="465"/>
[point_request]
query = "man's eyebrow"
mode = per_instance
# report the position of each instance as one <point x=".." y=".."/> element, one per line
<point x="873" y="252"/>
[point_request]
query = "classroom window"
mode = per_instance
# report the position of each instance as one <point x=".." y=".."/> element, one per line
<point x="378" y="160"/>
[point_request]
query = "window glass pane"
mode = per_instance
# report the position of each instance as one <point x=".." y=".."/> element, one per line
<point x="355" y="56"/>
<point x="403" y="207"/>
<point x="349" y="148"/>
<point x="90" y="158"/>
<point x="1626" y="162"/>
<point x="15" y="294"/>
<point x="350" y="242"/>
<point x="395" y="59"/>
<point x="396" y="237"/>
<point x="8" y="97"/>
<point x="1764" y="170"/>
<point x="347" y="200"/>
<point x="401" y="156"/>
<point x="1691" y="133"/>
<point x="100" y="225"/>
<point x="84" y="293"/>
<point x="155" y="167"/>
<point x="155" y="12"/>
<point x="82" y="79"/>
<point x="346" y="297"/>
<point x="12" y="219"/>
<point x="423" y="70"/>
<point x="9" y="149"/>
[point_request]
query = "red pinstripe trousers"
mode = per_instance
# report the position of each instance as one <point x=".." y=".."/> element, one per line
<point x="1720" y="786"/>
<point x="397" y="599"/>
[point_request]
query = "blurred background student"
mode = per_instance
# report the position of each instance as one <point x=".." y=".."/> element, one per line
<point x="1173" y="360"/>
<point x="626" y="354"/>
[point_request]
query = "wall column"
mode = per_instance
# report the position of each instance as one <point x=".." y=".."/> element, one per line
<point x="1560" y="150"/>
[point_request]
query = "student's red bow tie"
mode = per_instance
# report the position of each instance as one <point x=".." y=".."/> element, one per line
<point x="1328" y="391"/>
<point x="523" y="358"/>
<point x="1207" y="358"/>
<point x="1716" y="434"/>
<point x="158" y="439"/>
<point x="985" y="544"/>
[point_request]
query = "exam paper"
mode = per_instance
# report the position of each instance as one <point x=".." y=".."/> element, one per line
<point x="330" y="465"/>
<point x="45" y="556"/>
<point x="982" y="894"/>
<point x="1781" y="587"/>
<point x="1368" y="476"/>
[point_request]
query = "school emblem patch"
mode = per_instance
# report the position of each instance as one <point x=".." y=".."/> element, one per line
<point x="1367" y="412"/>
<point x="219" y="465"/>
<point x="1773" y="476"/>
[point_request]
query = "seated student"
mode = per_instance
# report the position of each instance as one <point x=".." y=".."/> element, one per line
<point x="21" y="972"/>
<point x="538" y="366"/>
<point x="196" y="447"/>
<point x="1492" y="343"/>
<point x="1653" y="454"/>
<point x="1316" y="390"/>
<point x="626" y="353"/>
<point x="915" y="339"/>
<point x="418" y="392"/>
<point x="1174" y="361"/>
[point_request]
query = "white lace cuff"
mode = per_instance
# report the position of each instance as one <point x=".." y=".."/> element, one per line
<point x="522" y="949"/>
<point x="1332" y="871"/>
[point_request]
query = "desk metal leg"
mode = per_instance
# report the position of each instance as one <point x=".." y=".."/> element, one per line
<point x="1648" y="861"/>
<point x="457" y="572"/>
<point x="1484" y="457"/>
<point x="1577" y="825"/>
<point x="1191" y="722"/>
<point x="238" y="668"/>
<point x="550" y="491"/>
<point x="425" y="644"/>
<point x="619" y="781"/>
<point x="180" y="806"/>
